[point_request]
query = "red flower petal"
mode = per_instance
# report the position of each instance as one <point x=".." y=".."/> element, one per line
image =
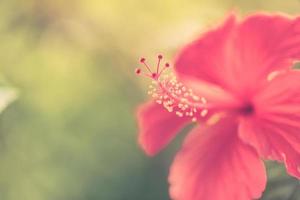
<point x="242" y="52"/>
<point x="274" y="131"/>
<point x="157" y="127"/>
<point x="203" y="59"/>
<point x="215" y="165"/>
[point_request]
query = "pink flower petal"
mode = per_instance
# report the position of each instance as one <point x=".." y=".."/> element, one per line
<point x="203" y="59"/>
<point x="275" y="129"/>
<point x="214" y="164"/>
<point x="214" y="94"/>
<point x="157" y="126"/>
<point x="242" y="52"/>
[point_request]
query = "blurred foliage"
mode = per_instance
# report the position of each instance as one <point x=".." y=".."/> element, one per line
<point x="71" y="135"/>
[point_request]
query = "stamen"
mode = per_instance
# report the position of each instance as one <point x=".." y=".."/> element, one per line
<point x="172" y="94"/>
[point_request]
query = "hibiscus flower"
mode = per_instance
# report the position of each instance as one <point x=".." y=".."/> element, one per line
<point x="237" y="84"/>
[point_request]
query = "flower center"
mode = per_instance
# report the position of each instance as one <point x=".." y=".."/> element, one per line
<point x="247" y="109"/>
<point x="172" y="94"/>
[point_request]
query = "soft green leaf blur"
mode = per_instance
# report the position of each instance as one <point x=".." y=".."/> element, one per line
<point x="71" y="134"/>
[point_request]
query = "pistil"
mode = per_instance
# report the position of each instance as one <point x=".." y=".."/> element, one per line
<point x="172" y="94"/>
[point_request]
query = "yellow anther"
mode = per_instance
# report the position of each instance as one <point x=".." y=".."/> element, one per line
<point x="204" y="112"/>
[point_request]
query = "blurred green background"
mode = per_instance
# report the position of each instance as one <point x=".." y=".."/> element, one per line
<point x="71" y="134"/>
